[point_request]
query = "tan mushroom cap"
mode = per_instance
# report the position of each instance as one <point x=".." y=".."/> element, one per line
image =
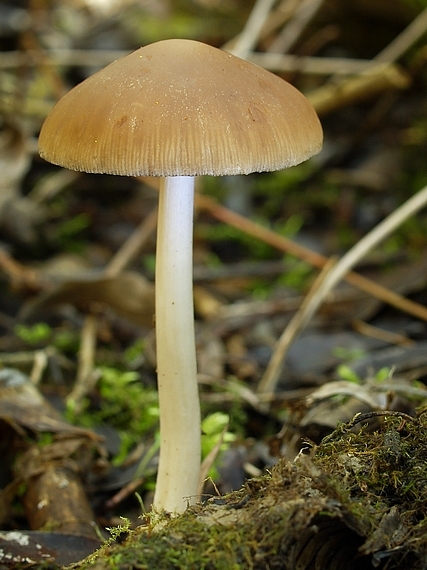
<point x="181" y="108"/>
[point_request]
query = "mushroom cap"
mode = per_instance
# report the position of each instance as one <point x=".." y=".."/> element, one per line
<point x="181" y="108"/>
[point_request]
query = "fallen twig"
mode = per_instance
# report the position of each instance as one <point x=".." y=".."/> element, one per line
<point x="337" y="272"/>
<point x="315" y="259"/>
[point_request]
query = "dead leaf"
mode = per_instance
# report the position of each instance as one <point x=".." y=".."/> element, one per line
<point x="22" y="405"/>
<point x="128" y="294"/>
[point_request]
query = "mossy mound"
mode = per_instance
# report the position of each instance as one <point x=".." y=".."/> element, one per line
<point x="356" y="501"/>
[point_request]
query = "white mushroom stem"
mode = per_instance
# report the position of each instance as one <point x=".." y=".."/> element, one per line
<point x="179" y="465"/>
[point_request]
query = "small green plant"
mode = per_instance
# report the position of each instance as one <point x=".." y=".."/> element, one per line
<point x="149" y="263"/>
<point x="215" y="430"/>
<point x="348" y="354"/>
<point x="44" y="439"/>
<point x="347" y="374"/>
<point x="134" y="352"/>
<point x="297" y="275"/>
<point x="117" y="531"/>
<point x="66" y="340"/>
<point x="68" y="233"/>
<point x="71" y="227"/>
<point x="217" y="233"/>
<point x="35" y="334"/>
<point x="384" y="373"/>
<point x="127" y="405"/>
<point x="271" y="187"/>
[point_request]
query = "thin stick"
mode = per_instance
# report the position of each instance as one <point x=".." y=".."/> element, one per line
<point x="315" y="259"/>
<point x="86" y="374"/>
<point x="85" y="378"/>
<point x="248" y="37"/>
<point x="76" y="57"/>
<point x="377" y="79"/>
<point x="382" y="334"/>
<point x="288" y="63"/>
<point x="298" y="322"/>
<point x="132" y="246"/>
<point x="39" y="366"/>
<point x="210" y="459"/>
<point x="349" y="260"/>
<point x="270" y="61"/>
<point x="294" y="28"/>
<point x="404" y="40"/>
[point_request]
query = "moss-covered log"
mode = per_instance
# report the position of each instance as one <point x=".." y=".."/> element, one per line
<point x="357" y="501"/>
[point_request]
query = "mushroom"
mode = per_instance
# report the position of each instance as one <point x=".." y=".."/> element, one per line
<point x="178" y="109"/>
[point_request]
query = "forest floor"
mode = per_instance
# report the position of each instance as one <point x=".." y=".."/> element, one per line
<point x="312" y="361"/>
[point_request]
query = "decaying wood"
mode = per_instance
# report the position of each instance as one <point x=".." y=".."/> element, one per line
<point x="55" y="497"/>
<point x="349" y="503"/>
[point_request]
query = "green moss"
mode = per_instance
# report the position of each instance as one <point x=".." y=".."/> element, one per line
<point x="191" y="543"/>
<point x="359" y="497"/>
<point x="35" y="334"/>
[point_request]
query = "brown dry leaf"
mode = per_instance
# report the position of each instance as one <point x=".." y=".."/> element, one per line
<point x="128" y="294"/>
<point x="362" y="393"/>
<point x="324" y="417"/>
<point x="55" y="495"/>
<point x="22" y="405"/>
